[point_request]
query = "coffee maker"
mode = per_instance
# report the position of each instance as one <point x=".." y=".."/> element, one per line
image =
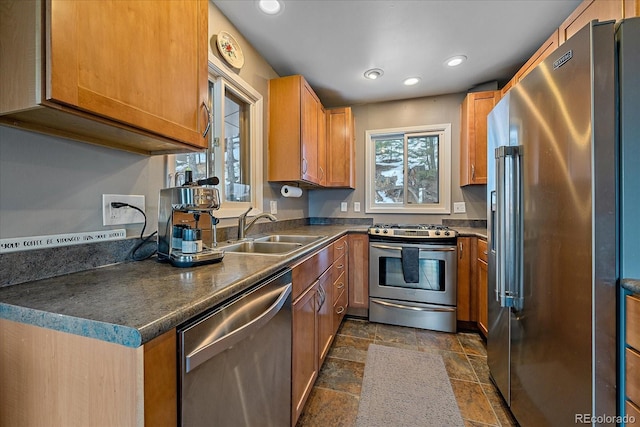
<point x="179" y="241"/>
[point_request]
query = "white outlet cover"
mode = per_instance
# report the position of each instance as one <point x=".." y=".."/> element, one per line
<point x="124" y="215"/>
<point x="356" y="206"/>
<point x="273" y="205"/>
<point x="343" y="206"/>
<point x="459" y="207"/>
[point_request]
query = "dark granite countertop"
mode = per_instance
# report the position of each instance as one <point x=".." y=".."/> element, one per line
<point x="134" y="302"/>
<point x="471" y="231"/>
<point x="632" y="285"/>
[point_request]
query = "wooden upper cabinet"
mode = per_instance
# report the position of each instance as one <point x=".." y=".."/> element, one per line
<point x="541" y="54"/>
<point x="294" y="131"/>
<point x="340" y="148"/>
<point x="473" y="136"/>
<point x="127" y="74"/>
<point x="322" y="145"/>
<point x="588" y="10"/>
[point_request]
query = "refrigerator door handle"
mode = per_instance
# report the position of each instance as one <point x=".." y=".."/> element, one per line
<point x="508" y="230"/>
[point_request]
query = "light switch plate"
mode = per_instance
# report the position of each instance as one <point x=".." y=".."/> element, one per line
<point x="343" y="207"/>
<point x="273" y="205"/>
<point x="356" y="206"/>
<point x="459" y="207"/>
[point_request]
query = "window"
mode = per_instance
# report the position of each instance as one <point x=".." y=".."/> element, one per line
<point x="235" y="144"/>
<point x="409" y="170"/>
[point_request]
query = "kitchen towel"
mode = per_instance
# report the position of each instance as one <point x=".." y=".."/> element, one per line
<point x="411" y="264"/>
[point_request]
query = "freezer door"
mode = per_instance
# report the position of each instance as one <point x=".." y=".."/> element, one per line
<point x="558" y="359"/>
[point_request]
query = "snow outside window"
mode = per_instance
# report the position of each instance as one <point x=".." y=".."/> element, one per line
<point x="409" y="170"/>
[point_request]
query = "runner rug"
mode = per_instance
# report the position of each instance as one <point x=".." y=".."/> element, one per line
<point x="406" y="388"/>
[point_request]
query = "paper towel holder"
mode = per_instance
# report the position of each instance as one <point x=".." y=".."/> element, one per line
<point x="290" y="191"/>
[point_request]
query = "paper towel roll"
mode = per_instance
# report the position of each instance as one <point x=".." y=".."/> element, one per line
<point x="289" y="191"/>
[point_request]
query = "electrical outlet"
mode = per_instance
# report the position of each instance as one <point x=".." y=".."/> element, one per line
<point x="273" y="207"/>
<point x="459" y="207"/>
<point x="356" y="206"/>
<point x="124" y="215"/>
<point x="343" y="207"/>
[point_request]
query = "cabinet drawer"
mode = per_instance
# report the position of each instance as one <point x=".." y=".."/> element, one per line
<point x="633" y="375"/>
<point x="339" y="285"/>
<point x="307" y="271"/>
<point x="483" y="253"/>
<point x="633" y="321"/>
<point x="339" y="267"/>
<point x="339" y="247"/>
<point x="340" y="308"/>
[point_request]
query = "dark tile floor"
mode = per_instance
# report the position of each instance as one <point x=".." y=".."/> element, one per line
<point x="334" y="398"/>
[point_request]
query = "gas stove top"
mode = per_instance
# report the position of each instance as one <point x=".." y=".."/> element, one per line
<point x="412" y="231"/>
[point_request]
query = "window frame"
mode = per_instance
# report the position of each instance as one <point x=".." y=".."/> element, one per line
<point x="444" y="166"/>
<point x="224" y="79"/>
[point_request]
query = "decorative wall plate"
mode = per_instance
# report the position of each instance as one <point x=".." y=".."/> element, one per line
<point x="230" y="49"/>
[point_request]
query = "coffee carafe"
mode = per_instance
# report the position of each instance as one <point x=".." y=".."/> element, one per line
<point x="180" y="215"/>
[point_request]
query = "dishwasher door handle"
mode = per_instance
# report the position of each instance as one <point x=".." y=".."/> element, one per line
<point x="209" y="349"/>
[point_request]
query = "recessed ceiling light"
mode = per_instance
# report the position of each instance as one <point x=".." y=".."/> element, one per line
<point x="454" y="61"/>
<point x="373" y="73"/>
<point x="270" y="7"/>
<point x="412" y="81"/>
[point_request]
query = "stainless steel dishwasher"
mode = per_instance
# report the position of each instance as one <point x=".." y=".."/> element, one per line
<point x="235" y="362"/>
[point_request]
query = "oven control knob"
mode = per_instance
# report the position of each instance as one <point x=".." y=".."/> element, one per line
<point x="437" y="233"/>
<point x="385" y="231"/>
<point x="377" y="230"/>
<point x="446" y="233"/>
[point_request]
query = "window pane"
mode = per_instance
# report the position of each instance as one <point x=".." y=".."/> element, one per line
<point x="237" y="177"/>
<point x="389" y="170"/>
<point x="423" y="174"/>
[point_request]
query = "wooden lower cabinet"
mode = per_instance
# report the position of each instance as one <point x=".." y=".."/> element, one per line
<point x="632" y="356"/>
<point x="483" y="296"/>
<point x="358" y="283"/>
<point x="55" y="378"/>
<point x="325" y="316"/>
<point x="466" y="292"/>
<point x="304" y="349"/>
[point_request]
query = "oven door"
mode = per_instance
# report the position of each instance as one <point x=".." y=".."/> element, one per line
<point x="436" y="272"/>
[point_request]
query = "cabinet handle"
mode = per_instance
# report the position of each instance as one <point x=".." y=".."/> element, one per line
<point x="209" y="119"/>
<point x="340" y="310"/>
<point x="321" y="173"/>
<point x="473" y="172"/>
<point x="304" y="166"/>
<point x="340" y="286"/>
<point x="340" y="267"/>
<point x="460" y="248"/>
<point x="485" y="252"/>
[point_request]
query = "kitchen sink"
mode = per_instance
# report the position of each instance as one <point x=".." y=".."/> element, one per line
<point x="263" y="248"/>
<point x="284" y="238"/>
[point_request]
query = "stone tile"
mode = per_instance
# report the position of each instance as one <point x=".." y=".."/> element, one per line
<point x="350" y="348"/>
<point x="472" y="344"/>
<point x="438" y="340"/>
<point x="329" y="408"/>
<point x="341" y="375"/>
<point x="473" y="403"/>
<point x="358" y="328"/>
<point x="396" y="334"/>
<point x="458" y="366"/>
<point x="480" y="367"/>
<point x="499" y="406"/>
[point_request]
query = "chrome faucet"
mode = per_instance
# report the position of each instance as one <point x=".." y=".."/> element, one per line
<point x="243" y="226"/>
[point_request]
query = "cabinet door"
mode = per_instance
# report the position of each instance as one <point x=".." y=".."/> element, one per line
<point x="304" y="350"/>
<point x="309" y="144"/>
<point x="483" y="296"/>
<point x="325" y="314"/>
<point x="322" y="146"/>
<point x="473" y="139"/>
<point x="142" y="63"/>
<point x="586" y="12"/>
<point x="358" y="274"/>
<point x="467" y="291"/>
<point x="340" y="148"/>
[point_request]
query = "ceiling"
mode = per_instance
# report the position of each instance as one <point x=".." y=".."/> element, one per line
<point x="333" y="42"/>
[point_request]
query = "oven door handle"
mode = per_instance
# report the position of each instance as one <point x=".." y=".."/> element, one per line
<point x="399" y="248"/>
<point x="411" y="307"/>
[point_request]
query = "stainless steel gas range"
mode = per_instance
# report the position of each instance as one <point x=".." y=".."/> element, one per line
<point x="412" y="276"/>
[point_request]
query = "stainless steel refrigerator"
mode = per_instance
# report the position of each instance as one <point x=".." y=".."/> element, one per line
<point x="552" y="205"/>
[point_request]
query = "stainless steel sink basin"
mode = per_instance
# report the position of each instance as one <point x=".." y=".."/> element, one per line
<point x="285" y="238"/>
<point x="266" y="248"/>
